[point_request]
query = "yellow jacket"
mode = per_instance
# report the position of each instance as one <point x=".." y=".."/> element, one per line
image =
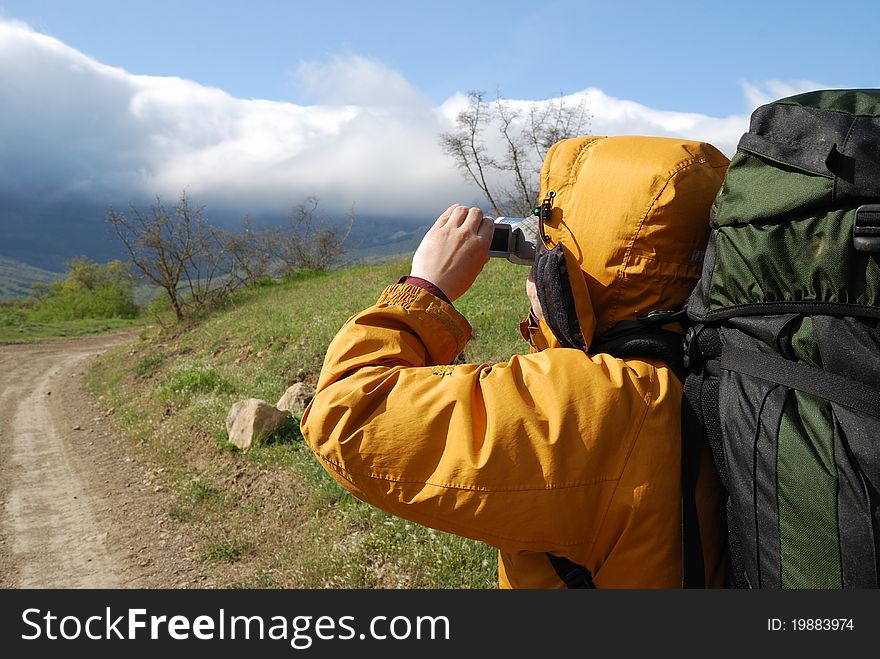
<point x="560" y="450"/>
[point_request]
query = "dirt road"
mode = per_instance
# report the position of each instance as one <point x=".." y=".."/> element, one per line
<point x="80" y="508"/>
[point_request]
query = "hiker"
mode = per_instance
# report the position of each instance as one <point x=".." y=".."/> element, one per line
<point x="566" y="459"/>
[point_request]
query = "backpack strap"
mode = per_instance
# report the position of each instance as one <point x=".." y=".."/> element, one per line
<point x="630" y="339"/>
<point x="644" y="337"/>
<point x="809" y="379"/>
<point x="693" y="436"/>
<point x="574" y="575"/>
<point x="702" y="390"/>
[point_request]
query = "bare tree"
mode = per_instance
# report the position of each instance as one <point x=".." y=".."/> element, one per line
<point x="250" y="253"/>
<point x="501" y="148"/>
<point x="199" y="265"/>
<point x="178" y="251"/>
<point x="466" y="144"/>
<point x="310" y="241"/>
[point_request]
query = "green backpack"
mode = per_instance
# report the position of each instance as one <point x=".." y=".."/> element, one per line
<point x="784" y="347"/>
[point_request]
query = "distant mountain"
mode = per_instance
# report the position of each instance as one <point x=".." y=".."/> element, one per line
<point x="17" y="278"/>
<point x="38" y="237"/>
<point x="374" y="241"/>
<point x="47" y="233"/>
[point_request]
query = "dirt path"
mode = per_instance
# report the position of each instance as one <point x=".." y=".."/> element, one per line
<point x="79" y="508"/>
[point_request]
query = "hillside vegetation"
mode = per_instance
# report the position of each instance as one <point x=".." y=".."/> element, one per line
<point x="270" y="516"/>
<point x="91" y="298"/>
<point x="17" y="279"/>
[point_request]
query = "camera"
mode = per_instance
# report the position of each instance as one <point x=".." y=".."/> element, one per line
<point x="515" y="239"/>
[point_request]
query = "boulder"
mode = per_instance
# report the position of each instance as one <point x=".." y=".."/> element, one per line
<point x="296" y="398"/>
<point x="251" y="421"/>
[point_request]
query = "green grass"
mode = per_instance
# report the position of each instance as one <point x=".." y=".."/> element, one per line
<point x="30" y="332"/>
<point x="224" y="549"/>
<point x="271" y="516"/>
<point x="185" y="382"/>
<point x="197" y="491"/>
<point x="148" y="364"/>
<point x="194" y="497"/>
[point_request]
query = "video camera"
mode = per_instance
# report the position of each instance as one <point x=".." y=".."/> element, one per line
<point x="515" y="239"/>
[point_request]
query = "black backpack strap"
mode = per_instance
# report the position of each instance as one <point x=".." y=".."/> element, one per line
<point x="809" y="379"/>
<point x="645" y="338"/>
<point x="692" y="438"/>
<point x="702" y="388"/>
<point x="572" y="574"/>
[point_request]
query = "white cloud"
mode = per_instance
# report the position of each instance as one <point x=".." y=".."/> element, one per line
<point x="69" y="124"/>
<point x="356" y="80"/>
<point x="769" y="90"/>
<point x="614" y="116"/>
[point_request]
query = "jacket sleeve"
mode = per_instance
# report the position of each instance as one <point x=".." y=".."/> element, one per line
<point x="509" y="454"/>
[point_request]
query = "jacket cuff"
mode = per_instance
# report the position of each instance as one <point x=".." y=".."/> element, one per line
<point x="417" y="299"/>
<point x="433" y="289"/>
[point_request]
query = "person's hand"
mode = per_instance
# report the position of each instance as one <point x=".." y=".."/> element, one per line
<point x="454" y="250"/>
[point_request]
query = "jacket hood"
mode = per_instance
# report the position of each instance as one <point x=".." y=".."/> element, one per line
<point x="631" y="215"/>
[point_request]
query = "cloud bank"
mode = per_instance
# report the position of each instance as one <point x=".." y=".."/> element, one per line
<point x="73" y="127"/>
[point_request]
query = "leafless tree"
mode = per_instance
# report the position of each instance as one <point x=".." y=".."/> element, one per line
<point x="310" y="241"/>
<point x="198" y="265"/>
<point x="501" y="148"/>
<point x="250" y="252"/>
<point x="178" y="251"/>
<point x="467" y="145"/>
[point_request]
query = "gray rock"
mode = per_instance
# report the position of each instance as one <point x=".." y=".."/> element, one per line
<point x="251" y="421"/>
<point x="296" y="398"/>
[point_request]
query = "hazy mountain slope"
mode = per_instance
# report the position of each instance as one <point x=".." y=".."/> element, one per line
<point x="17" y="278"/>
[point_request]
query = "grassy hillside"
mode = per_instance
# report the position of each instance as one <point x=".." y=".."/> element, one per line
<point x="17" y="278"/>
<point x="271" y="516"/>
<point x="18" y="330"/>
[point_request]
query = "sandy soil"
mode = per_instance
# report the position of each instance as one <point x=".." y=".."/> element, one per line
<point x="80" y="507"/>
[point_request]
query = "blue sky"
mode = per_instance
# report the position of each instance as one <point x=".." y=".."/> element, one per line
<point x="252" y="106"/>
<point x="675" y="55"/>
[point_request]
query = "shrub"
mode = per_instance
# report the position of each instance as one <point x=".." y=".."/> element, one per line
<point x="90" y="290"/>
<point x="12" y="316"/>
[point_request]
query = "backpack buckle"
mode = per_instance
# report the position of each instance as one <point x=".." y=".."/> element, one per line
<point x="866" y="228"/>
<point x="692" y="358"/>
<point x="660" y="317"/>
